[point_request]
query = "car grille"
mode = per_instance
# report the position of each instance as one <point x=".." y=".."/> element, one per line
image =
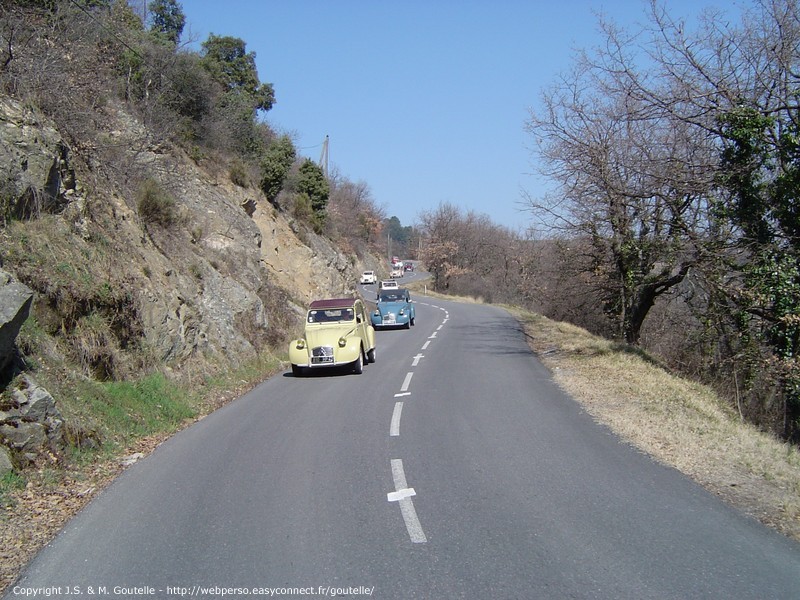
<point x="322" y="355"/>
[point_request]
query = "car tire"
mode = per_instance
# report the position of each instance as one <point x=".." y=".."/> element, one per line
<point x="413" y="321"/>
<point x="371" y="356"/>
<point x="358" y="366"/>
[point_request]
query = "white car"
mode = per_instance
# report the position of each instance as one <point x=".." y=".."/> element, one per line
<point x="396" y="273"/>
<point x="388" y="285"/>
<point x="368" y="277"/>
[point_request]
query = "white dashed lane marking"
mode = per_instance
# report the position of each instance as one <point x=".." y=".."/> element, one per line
<point x="402" y="495"/>
<point x="406" y="382"/>
<point x="394" y="427"/>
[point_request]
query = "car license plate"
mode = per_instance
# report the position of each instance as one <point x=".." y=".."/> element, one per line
<point x="318" y="360"/>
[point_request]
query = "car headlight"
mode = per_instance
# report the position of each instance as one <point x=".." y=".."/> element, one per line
<point x="377" y="313"/>
<point x="301" y="344"/>
<point x="402" y="311"/>
<point x="342" y="342"/>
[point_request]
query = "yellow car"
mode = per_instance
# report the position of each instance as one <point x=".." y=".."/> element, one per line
<point x="338" y="332"/>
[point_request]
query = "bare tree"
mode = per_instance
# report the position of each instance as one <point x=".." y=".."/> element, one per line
<point x="469" y="254"/>
<point x="353" y="212"/>
<point x="633" y="179"/>
<point x="676" y="150"/>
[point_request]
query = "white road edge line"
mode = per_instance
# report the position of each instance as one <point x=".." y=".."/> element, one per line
<point x="402" y="495"/>
<point x="394" y="427"/>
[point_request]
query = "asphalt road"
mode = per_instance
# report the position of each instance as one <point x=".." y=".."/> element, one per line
<point x="451" y="468"/>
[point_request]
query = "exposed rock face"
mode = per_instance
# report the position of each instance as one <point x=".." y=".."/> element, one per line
<point x="198" y="289"/>
<point x="35" y="175"/>
<point x="15" y="306"/>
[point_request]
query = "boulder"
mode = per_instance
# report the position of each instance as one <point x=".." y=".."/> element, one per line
<point x="31" y="423"/>
<point x="6" y="466"/>
<point x="15" y="306"/>
<point x="28" y="438"/>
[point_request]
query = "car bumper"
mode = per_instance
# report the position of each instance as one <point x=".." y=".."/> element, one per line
<point x="389" y="321"/>
<point x="319" y="358"/>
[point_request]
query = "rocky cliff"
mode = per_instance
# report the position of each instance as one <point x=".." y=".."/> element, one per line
<point x="225" y="275"/>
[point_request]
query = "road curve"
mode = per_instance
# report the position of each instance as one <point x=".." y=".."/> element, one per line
<point x="452" y="467"/>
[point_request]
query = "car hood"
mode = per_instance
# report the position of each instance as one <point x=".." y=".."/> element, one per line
<point x="327" y="335"/>
<point x="391" y="307"/>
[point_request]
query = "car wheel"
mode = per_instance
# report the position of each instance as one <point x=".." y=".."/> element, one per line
<point x="297" y="371"/>
<point x="371" y="355"/>
<point x="358" y="366"/>
<point x="408" y="324"/>
<point x="413" y="321"/>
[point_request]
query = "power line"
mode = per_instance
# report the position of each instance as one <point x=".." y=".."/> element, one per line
<point x="113" y="33"/>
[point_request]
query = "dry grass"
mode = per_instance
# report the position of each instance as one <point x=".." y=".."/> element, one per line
<point x="425" y="288"/>
<point x="677" y="422"/>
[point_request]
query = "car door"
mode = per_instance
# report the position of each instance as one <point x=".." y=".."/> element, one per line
<point x="365" y="329"/>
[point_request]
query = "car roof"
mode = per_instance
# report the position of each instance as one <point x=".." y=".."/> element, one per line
<point x="333" y="303"/>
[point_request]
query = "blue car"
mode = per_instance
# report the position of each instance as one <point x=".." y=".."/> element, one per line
<point x="393" y="309"/>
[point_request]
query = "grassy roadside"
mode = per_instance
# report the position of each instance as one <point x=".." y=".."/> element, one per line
<point x="120" y="423"/>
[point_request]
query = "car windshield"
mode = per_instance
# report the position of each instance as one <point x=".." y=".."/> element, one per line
<point x="390" y="297"/>
<point x="331" y="315"/>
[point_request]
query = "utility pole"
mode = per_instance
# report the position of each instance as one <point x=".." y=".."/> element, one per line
<point x="323" y="159"/>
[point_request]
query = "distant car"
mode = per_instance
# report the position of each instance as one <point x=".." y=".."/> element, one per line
<point x="394" y="309"/>
<point x="368" y="277"/>
<point x="396" y="273"/>
<point x="387" y="284"/>
<point x="408" y="266"/>
<point x="337" y="332"/>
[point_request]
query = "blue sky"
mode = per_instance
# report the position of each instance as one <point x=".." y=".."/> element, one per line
<point x="425" y="101"/>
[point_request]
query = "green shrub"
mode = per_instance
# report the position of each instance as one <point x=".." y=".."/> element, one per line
<point x="238" y="174"/>
<point x="302" y="208"/>
<point x="156" y="206"/>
